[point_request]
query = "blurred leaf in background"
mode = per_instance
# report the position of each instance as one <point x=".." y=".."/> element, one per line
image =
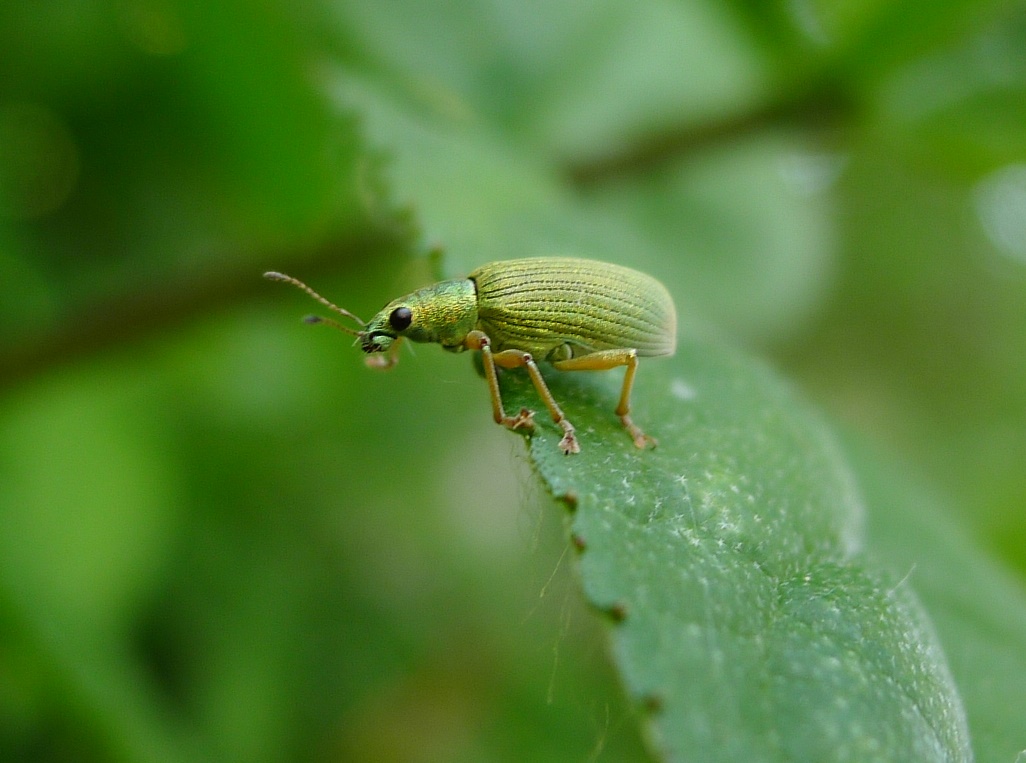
<point x="222" y="538"/>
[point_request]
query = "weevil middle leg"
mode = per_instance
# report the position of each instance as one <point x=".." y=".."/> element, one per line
<point x="478" y="340"/>
<point x="603" y="361"/>
<point x="518" y="358"/>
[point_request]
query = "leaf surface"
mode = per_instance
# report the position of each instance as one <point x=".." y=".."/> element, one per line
<point x="746" y="620"/>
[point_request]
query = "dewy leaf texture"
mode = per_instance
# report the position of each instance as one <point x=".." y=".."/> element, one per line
<point x="746" y="621"/>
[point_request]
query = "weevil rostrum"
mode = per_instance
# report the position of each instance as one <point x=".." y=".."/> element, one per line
<point x="579" y="315"/>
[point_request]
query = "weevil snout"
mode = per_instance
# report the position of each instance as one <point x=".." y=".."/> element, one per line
<point x="381" y="346"/>
<point x="375" y="341"/>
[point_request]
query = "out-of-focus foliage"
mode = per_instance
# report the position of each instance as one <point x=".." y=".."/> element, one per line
<point x="221" y="537"/>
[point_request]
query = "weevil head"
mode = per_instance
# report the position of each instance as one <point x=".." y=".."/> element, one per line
<point x="385" y="328"/>
<point x="444" y="313"/>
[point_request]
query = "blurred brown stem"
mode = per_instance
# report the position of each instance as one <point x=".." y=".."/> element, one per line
<point x="132" y="316"/>
<point x="817" y="106"/>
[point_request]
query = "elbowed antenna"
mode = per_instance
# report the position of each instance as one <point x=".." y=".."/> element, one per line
<point x="274" y="276"/>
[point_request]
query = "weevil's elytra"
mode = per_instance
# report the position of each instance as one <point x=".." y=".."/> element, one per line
<point x="580" y="315"/>
<point x="561" y="308"/>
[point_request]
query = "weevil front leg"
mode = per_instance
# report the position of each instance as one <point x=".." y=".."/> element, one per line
<point x="602" y="361"/>
<point x="478" y="340"/>
<point x="520" y="359"/>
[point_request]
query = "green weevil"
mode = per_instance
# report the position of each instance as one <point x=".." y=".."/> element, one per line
<point x="579" y="315"/>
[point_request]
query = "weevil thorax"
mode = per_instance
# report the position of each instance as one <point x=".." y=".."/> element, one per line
<point x="444" y="313"/>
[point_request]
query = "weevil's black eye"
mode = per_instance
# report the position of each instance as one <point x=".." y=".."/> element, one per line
<point x="400" y="318"/>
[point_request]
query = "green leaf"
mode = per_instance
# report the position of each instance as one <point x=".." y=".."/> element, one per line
<point x="745" y="620"/>
<point x="753" y="618"/>
<point x="233" y="541"/>
<point x="979" y="610"/>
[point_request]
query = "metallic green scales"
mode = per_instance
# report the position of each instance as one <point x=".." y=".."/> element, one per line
<point x="580" y="315"/>
<point x="560" y="307"/>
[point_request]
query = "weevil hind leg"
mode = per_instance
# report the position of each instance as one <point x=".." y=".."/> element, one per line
<point x="603" y="361"/>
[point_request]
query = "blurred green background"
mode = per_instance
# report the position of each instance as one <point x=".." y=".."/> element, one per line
<point x="223" y="538"/>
